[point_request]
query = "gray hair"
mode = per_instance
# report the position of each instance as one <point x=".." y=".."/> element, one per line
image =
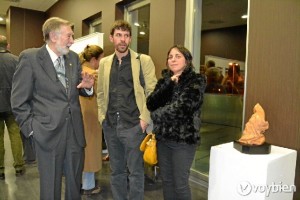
<point x="53" y="24"/>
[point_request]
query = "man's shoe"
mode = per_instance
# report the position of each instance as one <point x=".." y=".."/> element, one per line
<point x="20" y="172"/>
<point x="95" y="190"/>
<point x="2" y="176"/>
<point x="106" y="158"/>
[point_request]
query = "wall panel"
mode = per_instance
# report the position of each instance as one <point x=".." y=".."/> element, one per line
<point x="25" y="29"/>
<point x="273" y="70"/>
<point x="161" y="28"/>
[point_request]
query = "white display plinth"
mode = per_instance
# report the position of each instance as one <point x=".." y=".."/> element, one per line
<point x="237" y="176"/>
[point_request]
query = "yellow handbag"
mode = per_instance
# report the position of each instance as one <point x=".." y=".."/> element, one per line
<point x="148" y="146"/>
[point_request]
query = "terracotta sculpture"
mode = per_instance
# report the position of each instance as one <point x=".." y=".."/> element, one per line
<point x="255" y="127"/>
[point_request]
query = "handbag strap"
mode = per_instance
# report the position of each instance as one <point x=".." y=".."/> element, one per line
<point x="142" y="80"/>
<point x="153" y="136"/>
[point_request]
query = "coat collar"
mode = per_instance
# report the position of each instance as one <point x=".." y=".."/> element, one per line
<point x="46" y="63"/>
<point x="135" y="62"/>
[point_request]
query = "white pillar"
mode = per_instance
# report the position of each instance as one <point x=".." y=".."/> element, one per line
<point x="193" y="22"/>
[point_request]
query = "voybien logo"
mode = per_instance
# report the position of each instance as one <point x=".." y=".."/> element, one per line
<point x="245" y="188"/>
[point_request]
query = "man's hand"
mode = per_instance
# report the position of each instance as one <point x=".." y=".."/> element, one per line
<point x="87" y="81"/>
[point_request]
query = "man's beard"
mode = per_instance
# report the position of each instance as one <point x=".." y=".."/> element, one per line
<point x="62" y="50"/>
<point x="122" y="50"/>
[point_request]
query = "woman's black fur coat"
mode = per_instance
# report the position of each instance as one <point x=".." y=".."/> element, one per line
<point x="175" y="108"/>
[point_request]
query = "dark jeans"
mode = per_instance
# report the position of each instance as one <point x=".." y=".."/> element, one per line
<point x="175" y="161"/>
<point x="126" y="161"/>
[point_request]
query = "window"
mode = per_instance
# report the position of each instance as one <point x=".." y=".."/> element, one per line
<point x="95" y="26"/>
<point x="138" y="15"/>
<point x="92" y="24"/>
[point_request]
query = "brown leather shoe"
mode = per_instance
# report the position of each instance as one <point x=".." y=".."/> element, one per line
<point x="92" y="191"/>
<point x="106" y="158"/>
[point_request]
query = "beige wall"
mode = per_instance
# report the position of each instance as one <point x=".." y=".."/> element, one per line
<point x="161" y="31"/>
<point x="161" y="35"/>
<point x="273" y="70"/>
<point x="179" y="29"/>
<point x="24" y="29"/>
<point x="76" y="11"/>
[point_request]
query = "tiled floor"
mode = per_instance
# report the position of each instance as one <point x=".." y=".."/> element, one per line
<point x="211" y="135"/>
<point x="26" y="187"/>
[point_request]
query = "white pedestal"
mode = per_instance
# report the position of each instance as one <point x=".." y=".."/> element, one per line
<point x="237" y="176"/>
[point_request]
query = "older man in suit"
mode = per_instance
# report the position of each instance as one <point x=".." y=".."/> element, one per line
<point x="45" y="102"/>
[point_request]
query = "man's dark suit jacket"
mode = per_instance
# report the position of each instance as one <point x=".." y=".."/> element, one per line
<point x="8" y="63"/>
<point x="39" y="100"/>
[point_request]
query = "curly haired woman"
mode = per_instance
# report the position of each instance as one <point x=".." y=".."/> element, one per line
<point x="175" y="109"/>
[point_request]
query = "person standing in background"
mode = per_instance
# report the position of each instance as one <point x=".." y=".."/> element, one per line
<point x="175" y="106"/>
<point x="213" y="81"/>
<point x="211" y="66"/>
<point x="234" y="81"/>
<point x="121" y="98"/>
<point x="89" y="60"/>
<point x="210" y="63"/>
<point x="8" y="64"/>
<point x="45" y="102"/>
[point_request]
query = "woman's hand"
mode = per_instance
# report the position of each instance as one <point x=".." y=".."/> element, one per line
<point x="175" y="78"/>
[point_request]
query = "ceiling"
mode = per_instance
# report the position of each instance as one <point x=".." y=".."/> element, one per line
<point x="40" y="5"/>
<point x="223" y="13"/>
<point x="215" y="13"/>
